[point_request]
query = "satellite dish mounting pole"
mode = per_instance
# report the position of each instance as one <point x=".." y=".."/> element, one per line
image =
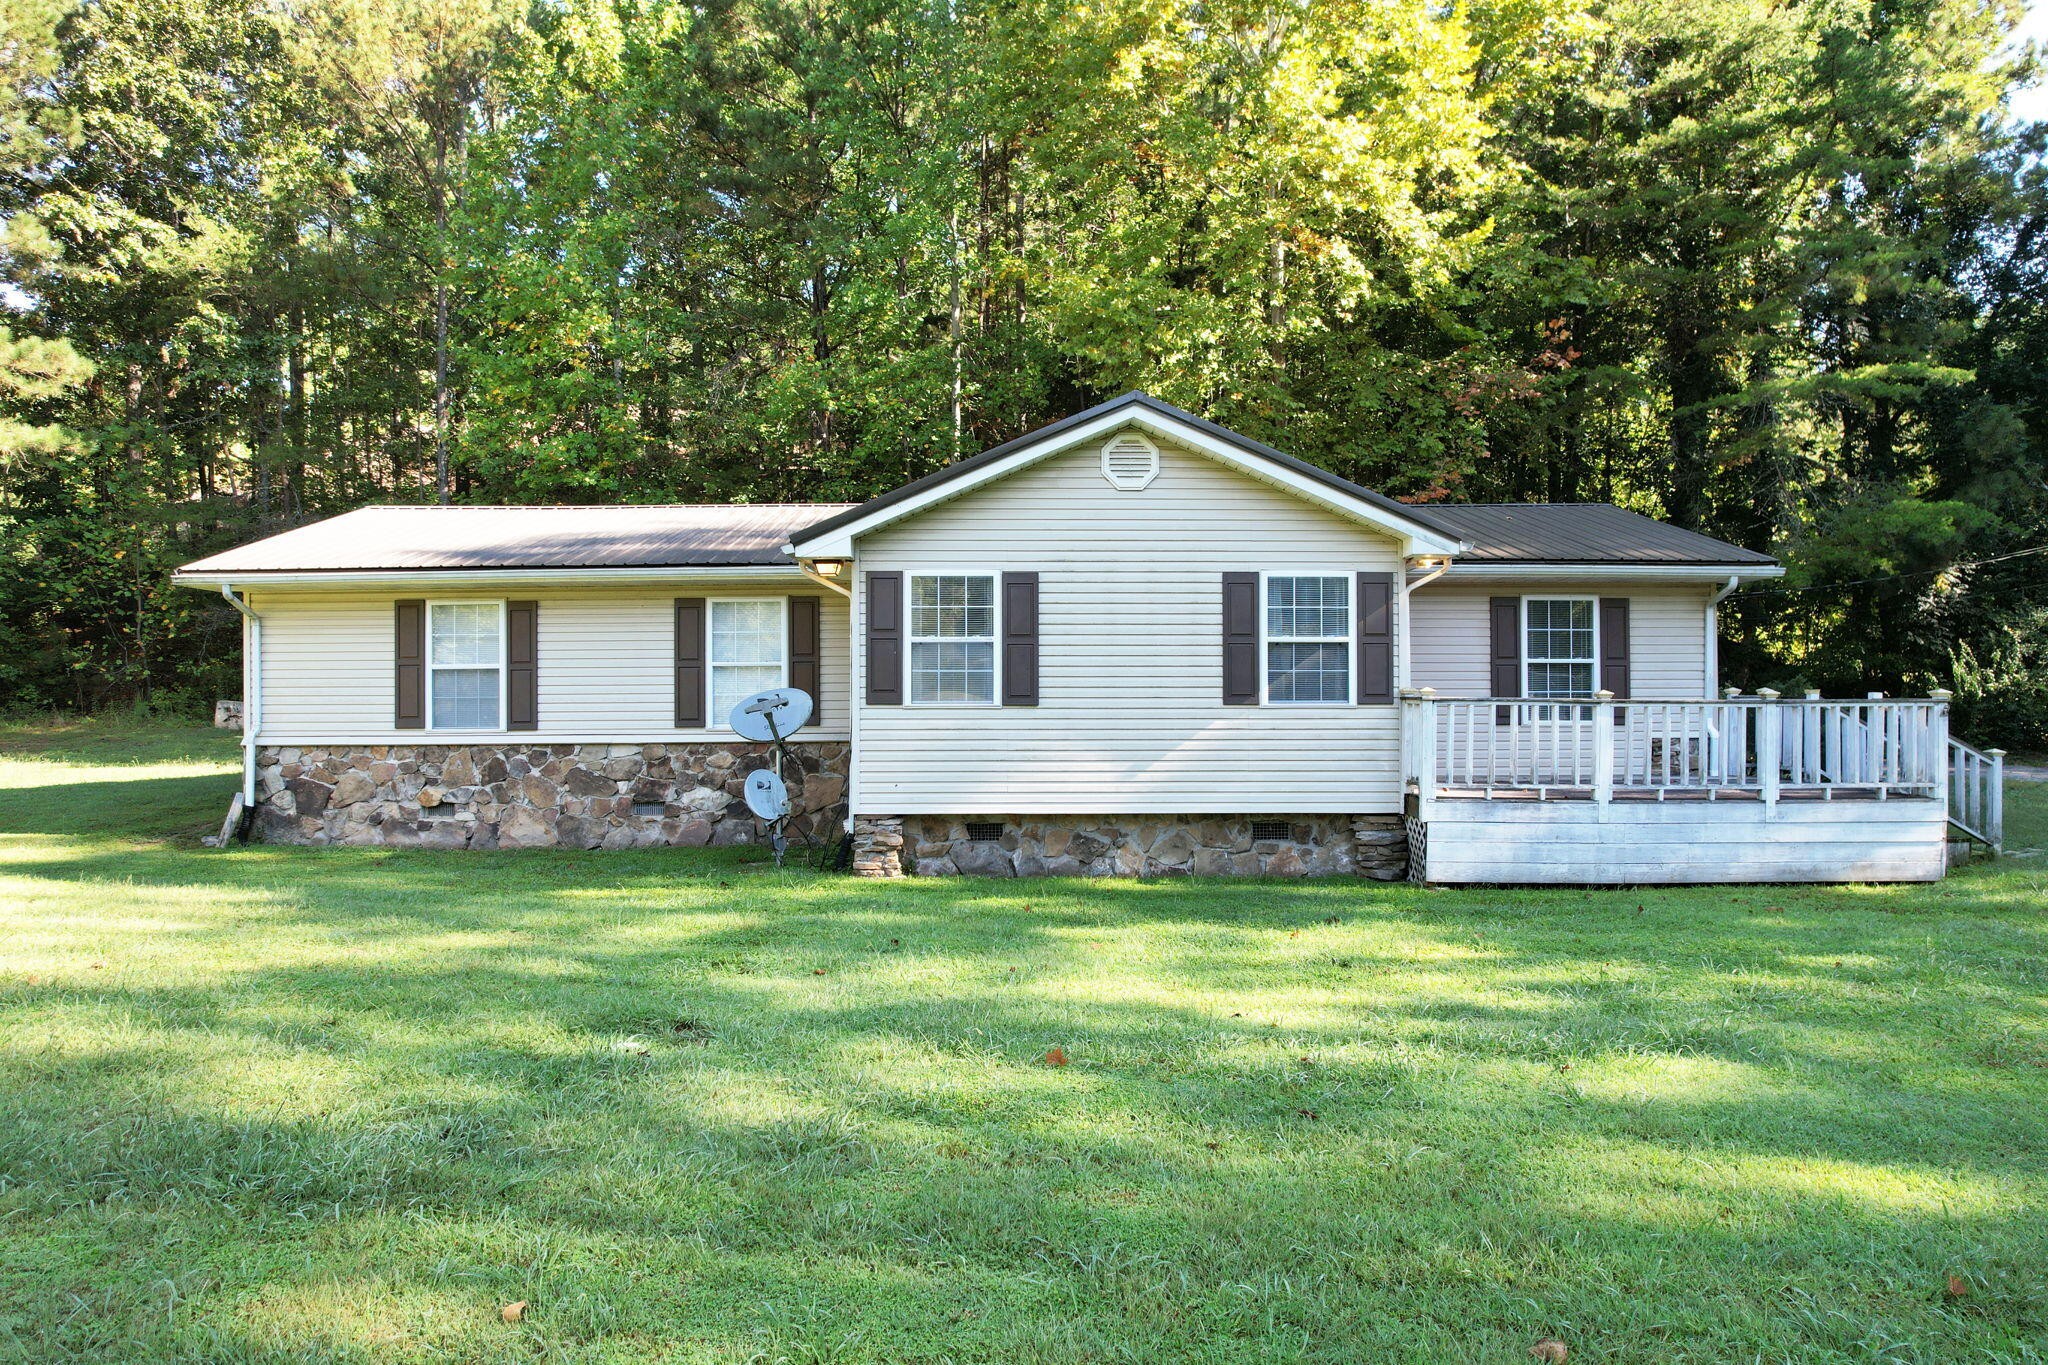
<point x="775" y="832"/>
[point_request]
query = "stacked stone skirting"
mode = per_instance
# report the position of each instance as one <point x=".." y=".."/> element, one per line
<point x="1130" y="846"/>
<point x="528" y="796"/>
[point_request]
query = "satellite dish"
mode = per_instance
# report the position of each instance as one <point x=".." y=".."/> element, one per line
<point x="787" y="707"/>
<point x="766" y="796"/>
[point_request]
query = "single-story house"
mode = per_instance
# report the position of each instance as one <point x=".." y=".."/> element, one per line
<point x="1130" y="642"/>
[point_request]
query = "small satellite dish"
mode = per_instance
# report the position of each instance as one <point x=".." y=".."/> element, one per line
<point x="767" y="797"/>
<point x="787" y="707"/>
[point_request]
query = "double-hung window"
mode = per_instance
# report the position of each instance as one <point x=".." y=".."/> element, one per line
<point x="466" y="665"/>
<point x="1559" y="656"/>
<point x="953" y="639"/>
<point x="749" y="651"/>
<point x="1308" y="638"/>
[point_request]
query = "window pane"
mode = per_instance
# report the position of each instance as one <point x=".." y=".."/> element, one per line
<point x="464" y="633"/>
<point x="747" y="633"/>
<point x="941" y="672"/>
<point x="1560" y="680"/>
<point x="466" y="698"/>
<point x="1560" y="628"/>
<point x="733" y="683"/>
<point x="953" y="606"/>
<point x="1307" y="608"/>
<point x="1308" y="672"/>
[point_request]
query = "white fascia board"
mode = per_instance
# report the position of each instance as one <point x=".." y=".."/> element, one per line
<point x="1415" y="539"/>
<point x="1684" y="573"/>
<point x="433" y="579"/>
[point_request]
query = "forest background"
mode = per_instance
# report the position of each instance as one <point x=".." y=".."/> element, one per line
<point x="1775" y="271"/>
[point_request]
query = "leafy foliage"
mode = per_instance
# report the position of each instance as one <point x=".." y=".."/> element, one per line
<point x="1777" y="273"/>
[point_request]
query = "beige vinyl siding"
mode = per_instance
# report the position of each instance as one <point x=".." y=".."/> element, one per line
<point x="607" y="658"/>
<point x="1130" y="716"/>
<point x="1451" y="637"/>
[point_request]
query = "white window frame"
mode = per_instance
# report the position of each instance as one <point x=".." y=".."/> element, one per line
<point x="712" y="663"/>
<point x="1522" y="648"/>
<point x="434" y="670"/>
<point x="911" y="639"/>
<point x="1350" y="639"/>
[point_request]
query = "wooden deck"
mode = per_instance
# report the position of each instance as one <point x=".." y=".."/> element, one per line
<point x="1635" y="792"/>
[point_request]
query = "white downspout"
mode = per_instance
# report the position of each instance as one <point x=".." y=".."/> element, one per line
<point x="252" y="690"/>
<point x="845" y="590"/>
<point x="1713" y="651"/>
<point x="808" y="572"/>
<point x="1403" y="676"/>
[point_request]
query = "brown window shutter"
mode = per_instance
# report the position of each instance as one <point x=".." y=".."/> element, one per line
<point x="1614" y="649"/>
<point x="522" y="665"/>
<point x="1506" y="616"/>
<point x="690" y="666"/>
<point x="1020" y="639"/>
<point x="409" y="657"/>
<point x="806" y="653"/>
<point x="885" y="639"/>
<point x="1240" y="639"/>
<point x="1375" y="637"/>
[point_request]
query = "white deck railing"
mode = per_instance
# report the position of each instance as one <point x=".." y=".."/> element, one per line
<point x="1758" y="747"/>
<point x="1976" y="793"/>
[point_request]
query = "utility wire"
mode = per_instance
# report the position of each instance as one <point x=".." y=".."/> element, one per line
<point x="1888" y="577"/>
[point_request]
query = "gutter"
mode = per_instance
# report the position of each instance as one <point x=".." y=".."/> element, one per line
<point x="316" y="578"/>
<point x="252" y="691"/>
<point x="1615" y="570"/>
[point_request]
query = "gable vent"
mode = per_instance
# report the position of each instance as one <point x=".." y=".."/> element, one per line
<point x="1129" y="461"/>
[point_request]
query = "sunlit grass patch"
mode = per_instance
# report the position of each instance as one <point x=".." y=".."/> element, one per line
<point x="271" y="1104"/>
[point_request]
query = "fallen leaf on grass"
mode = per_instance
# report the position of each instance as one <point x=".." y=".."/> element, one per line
<point x="1550" y="1349"/>
<point x="817" y="971"/>
<point x="1308" y="1113"/>
<point x="1958" y="1287"/>
<point x="1056" y="1057"/>
<point x="513" y="1312"/>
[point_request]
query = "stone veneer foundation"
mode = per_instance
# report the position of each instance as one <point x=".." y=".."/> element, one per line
<point x="1130" y="846"/>
<point x="510" y="795"/>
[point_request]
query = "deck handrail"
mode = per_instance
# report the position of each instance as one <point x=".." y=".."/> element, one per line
<point x="1976" y="793"/>
<point x="1757" y="747"/>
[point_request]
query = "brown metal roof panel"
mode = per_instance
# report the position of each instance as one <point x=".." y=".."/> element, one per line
<point x="1581" y="533"/>
<point x="431" y="538"/>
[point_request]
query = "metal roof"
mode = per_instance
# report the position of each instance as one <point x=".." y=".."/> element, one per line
<point x="430" y="538"/>
<point x="1580" y="533"/>
<point x="1419" y="516"/>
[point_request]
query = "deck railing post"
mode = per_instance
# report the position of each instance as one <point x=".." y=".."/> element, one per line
<point x="1418" y="745"/>
<point x="1767" y="736"/>
<point x="1994" y="823"/>
<point x="1603" y="747"/>
<point x="1934" y="763"/>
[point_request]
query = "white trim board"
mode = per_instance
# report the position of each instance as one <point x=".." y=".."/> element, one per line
<point x="1689" y="573"/>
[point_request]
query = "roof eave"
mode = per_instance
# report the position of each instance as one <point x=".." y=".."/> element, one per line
<point x="1611" y="569"/>
<point x="213" y="579"/>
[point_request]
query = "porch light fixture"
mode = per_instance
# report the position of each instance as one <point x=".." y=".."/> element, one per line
<point x="827" y="568"/>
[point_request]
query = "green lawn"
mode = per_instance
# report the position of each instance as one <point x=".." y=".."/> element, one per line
<point x="283" y="1104"/>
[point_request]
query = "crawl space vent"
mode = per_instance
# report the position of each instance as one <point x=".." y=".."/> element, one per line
<point x="1129" y="461"/>
<point x="1271" y="830"/>
<point x="984" y="831"/>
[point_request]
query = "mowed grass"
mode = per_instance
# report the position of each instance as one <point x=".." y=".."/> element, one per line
<point x="276" y="1104"/>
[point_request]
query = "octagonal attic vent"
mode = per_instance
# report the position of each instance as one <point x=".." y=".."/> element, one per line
<point x="1129" y="461"/>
